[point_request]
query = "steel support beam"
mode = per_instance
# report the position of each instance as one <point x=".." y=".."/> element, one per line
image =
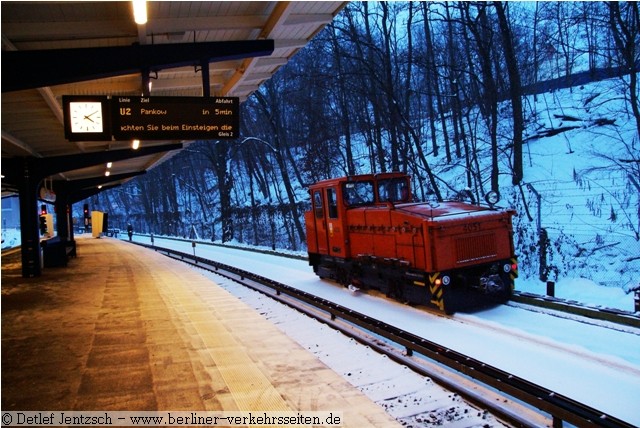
<point x="44" y="167"/>
<point x="24" y="69"/>
<point x="78" y="190"/>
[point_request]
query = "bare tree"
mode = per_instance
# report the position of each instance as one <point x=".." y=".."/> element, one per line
<point x="218" y="153"/>
<point x="271" y="110"/>
<point x="343" y="101"/>
<point x="483" y="33"/>
<point x="431" y="80"/>
<point x="515" y="91"/>
<point x="624" y="20"/>
<point x="366" y="53"/>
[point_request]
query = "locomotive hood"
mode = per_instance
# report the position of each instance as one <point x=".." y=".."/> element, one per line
<point x="445" y="210"/>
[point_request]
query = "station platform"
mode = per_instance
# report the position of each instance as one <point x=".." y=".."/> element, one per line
<point x="122" y="328"/>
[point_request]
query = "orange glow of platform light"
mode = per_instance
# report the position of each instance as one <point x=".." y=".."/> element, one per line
<point x="140" y="11"/>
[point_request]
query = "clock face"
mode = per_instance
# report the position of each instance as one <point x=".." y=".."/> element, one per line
<point x="86" y="116"/>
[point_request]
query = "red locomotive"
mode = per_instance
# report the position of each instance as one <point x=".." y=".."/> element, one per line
<point x="365" y="231"/>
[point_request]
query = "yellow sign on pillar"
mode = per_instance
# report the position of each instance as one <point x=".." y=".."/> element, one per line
<point x="97" y="217"/>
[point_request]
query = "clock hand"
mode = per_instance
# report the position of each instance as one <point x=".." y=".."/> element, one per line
<point x="88" y="117"/>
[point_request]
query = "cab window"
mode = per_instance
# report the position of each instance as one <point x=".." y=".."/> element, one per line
<point x="317" y="204"/>
<point x="332" y="203"/>
<point x="358" y="193"/>
<point x="393" y="190"/>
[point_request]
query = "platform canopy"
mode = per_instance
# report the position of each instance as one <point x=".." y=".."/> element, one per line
<point x="190" y="48"/>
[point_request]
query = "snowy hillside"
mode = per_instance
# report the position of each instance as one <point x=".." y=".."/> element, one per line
<point x="577" y="187"/>
<point x="583" y="178"/>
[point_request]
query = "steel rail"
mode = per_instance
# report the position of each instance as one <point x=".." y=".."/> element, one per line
<point x="560" y="407"/>
<point x="604" y="314"/>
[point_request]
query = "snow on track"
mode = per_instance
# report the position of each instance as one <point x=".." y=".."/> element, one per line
<point x="595" y="365"/>
<point x="408" y="397"/>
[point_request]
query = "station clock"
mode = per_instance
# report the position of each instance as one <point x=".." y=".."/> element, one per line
<point x="86" y="118"/>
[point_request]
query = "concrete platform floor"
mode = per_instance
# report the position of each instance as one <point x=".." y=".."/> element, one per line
<point x="124" y="328"/>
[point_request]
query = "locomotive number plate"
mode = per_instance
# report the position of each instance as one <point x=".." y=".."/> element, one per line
<point x="471" y="227"/>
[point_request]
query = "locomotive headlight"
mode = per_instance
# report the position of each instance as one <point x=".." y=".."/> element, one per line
<point x="446" y="280"/>
<point x="492" y="197"/>
<point x="506" y="268"/>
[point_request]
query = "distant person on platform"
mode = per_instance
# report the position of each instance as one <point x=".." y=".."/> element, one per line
<point x="130" y="231"/>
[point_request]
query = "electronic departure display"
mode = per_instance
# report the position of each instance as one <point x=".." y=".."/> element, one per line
<point x="175" y="118"/>
<point x="98" y="118"/>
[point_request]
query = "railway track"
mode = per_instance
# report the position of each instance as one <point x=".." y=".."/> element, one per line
<point x="387" y="339"/>
<point x="613" y="315"/>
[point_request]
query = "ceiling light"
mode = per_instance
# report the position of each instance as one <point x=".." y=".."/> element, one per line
<point x="109" y="164"/>
<point x="135" y="144"/>
<point x="107" y="173"/>
<point x="140" y="11"/>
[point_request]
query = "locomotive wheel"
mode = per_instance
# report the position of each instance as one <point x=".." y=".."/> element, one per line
<point x="449" y="308"/>
<point x="343" y="276"/>
<point x="396" y="291"/>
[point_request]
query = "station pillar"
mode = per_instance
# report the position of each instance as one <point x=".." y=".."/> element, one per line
<point x="29" y="234"/>
<point x="64" y="224"/>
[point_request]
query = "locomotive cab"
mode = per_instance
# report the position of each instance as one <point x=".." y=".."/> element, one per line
<point x="366" y="231"/>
